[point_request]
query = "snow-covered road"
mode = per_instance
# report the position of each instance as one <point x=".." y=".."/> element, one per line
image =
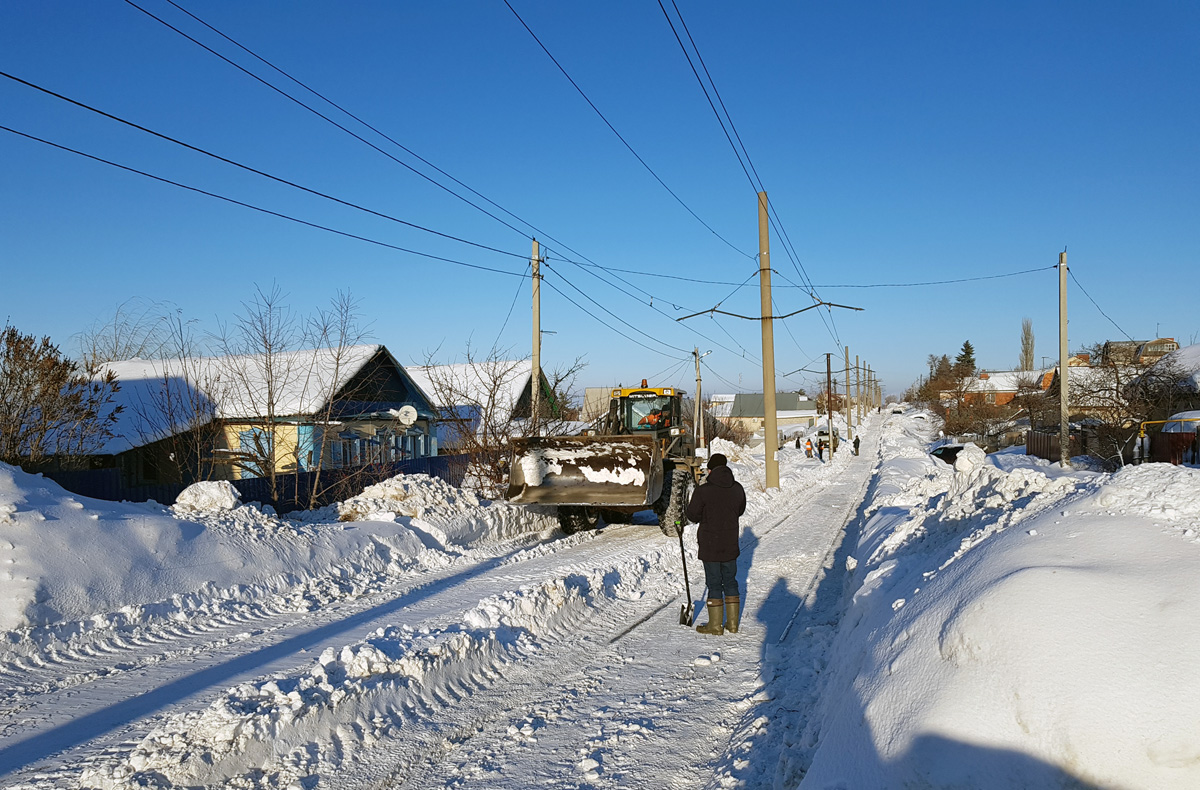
<point x="543" y="660"/>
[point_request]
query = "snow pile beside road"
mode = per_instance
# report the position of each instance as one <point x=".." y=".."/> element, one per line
<point x="77" y="568"/>
<point x="444" y="515"/>
<point x="207" y="496"/>
<point x="1019" y="628"/>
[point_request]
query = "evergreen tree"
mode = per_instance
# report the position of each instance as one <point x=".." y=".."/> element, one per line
<point x="964" y="363"/>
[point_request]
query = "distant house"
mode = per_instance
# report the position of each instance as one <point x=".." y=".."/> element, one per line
<point x="1136" y="352"/>
<point x="473" y="397"/>
<point x="1001" y="388"/>
<point x="218" y="417"/>
<point x="748" y="411"/>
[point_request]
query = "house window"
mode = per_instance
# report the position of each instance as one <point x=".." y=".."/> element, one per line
<point x="254" y="445"/>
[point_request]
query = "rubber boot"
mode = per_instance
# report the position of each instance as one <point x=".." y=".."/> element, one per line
<point x="716" y="618"/>
<point x="733" y="614"/>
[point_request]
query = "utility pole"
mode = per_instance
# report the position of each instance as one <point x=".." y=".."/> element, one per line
<point x="770" y="423"/>
<point x="857" y="391"/>
<point x="829" y="397"/>
<point x="698" y="419"/>
<point x="849" y="428"/>
<point x="1064" y="426"/>
<point x="535" y="380"/>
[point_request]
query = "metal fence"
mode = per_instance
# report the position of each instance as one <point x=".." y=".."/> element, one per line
<point x="293" y="491"/>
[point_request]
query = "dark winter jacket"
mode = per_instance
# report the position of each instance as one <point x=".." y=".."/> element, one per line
<point x="715" y="506"/>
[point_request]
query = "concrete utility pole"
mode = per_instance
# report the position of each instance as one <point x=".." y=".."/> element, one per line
<point x="698" y="419"/>
<point x="849" y="428"/>
<point x="857" y="391"/>
<point x="829" y="397"/>
<point x="770" y="422"/>
<point x="535" y="381"/>
<point x="1064" y="425"/>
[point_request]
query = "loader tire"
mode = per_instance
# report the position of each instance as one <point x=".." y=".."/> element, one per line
<point x="577" y="519"/>
<point x="676" y="495"/>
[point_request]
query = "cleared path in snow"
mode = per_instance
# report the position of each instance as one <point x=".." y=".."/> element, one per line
<point x="661" y="706"/>
<point x="587" y="701"/>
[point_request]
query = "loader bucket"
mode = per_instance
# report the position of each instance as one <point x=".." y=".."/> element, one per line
<point x="600" y="471"/>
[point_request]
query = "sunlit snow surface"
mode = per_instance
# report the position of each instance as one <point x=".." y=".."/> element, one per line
<point x="1002" y="623"/>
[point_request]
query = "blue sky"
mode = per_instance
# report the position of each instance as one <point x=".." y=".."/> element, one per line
<point x="899" y="143"/>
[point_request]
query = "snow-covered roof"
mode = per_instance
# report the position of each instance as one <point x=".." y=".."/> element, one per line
<point x="1007" y="380"/>
<point x="1188" y="359"/>
<point x="498" y="384"/>
<point x="229" y="388"/>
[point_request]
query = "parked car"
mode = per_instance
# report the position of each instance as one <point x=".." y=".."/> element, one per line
<point x="947" y="452"/>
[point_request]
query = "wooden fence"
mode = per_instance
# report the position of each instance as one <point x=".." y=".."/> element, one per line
<point x="293" y="490"/>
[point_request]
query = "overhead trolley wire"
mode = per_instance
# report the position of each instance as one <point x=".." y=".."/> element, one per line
<point x="258" y="208"/>
<point x="625" y="142"/>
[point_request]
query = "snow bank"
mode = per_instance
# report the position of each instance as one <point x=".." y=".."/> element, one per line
<point x="1016" y="627"/>
<point x="208" y="496"/>
<point x="75" y="566"/>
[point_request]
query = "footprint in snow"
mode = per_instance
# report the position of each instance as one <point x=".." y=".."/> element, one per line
<point x="703" y="661"/>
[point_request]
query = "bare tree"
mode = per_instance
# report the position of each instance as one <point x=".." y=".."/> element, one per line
<point x="1027" y="357"/>
<point x="178" y="407"/>
<point x="138" y="329"/>
<point x="52" y="410"/>
<point x="257" y="374"/>
<point x="333" y="332"/>
<point x="482" y="406"/>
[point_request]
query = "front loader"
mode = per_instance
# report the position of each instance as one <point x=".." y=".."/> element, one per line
<point x="638" y="456"/>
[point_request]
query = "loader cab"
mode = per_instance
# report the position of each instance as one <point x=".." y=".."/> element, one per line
<point x="644" y="410"/>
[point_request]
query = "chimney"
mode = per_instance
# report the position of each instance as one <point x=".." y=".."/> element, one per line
<point x="983" y="375"/>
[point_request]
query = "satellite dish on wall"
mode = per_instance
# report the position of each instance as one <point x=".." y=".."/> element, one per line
<point x="407" y="415"/>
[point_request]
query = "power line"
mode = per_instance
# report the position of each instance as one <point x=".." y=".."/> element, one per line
<point x="1093" y="301"/>
<point x="254" y="170"/>
<point x="585" y="295"/>
<point x="256" y="208"/>
<point x="756" y="183"/>
<point x="540" y="232"/>
<point x="941" y="282"/>
<point x="636" y="155"/>
<point x="350" y="114"/>
<point x="326" y="118"/>
<point x="560" y="292"/>
<point x="517" y="295"/>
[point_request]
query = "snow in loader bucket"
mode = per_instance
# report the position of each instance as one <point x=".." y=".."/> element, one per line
<point x="598" y="471"/>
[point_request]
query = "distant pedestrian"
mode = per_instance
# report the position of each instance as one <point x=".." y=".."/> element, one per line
<point x="716" y="506"/>
<point x="808" y="447"/>
<point x="856" y="445"/>
<point x="797" y="441"/>
<point x="820" y="450"/>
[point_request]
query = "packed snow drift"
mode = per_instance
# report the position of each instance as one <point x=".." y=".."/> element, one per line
<point x="1009" y="624"/>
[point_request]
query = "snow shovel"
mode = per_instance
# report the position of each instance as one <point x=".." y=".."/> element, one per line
<point x="685" y="611"/>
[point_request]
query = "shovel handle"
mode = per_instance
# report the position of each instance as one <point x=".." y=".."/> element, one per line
<point x="687" y="586"/>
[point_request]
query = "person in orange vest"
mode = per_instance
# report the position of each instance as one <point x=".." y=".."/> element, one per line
<point x="808" y="447"/>
<point x="652" y="419"/>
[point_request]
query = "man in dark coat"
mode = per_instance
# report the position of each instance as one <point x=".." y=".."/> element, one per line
<point x="716" y="506"/>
